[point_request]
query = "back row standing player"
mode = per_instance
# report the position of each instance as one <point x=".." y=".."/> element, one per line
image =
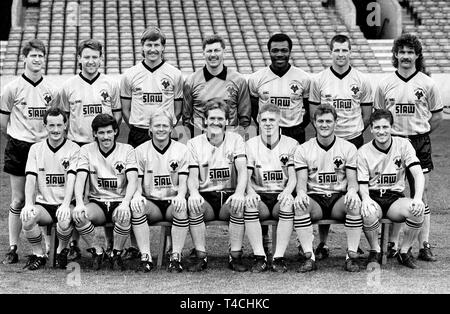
<point x="212" y="81"/>
<point x="413" y="99"/>
<point x="349" y="92"/>
<point x="23" y="105"/>
<point x="149" y="86"/>
<point x="83" y="97"/>
<point x="285" y="86"/>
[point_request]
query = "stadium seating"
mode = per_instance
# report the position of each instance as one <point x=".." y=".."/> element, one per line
<point x="245" y="25"/>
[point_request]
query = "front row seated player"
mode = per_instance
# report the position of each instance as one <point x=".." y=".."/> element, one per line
<point x="327" y="187"/>
<point x="50" y="177"/>
<point x="217" y="182"/>
<point x="112" y="171"/>
<point x="271" y="181"/>
<point x="382" y="164"/>
<point x="161" y="190"/>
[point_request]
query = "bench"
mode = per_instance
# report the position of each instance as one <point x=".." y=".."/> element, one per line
<point x="166" y="227"/>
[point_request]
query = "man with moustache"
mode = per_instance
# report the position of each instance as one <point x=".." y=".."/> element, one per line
<point x="161" y="191"/>
<point x="327" y="187"/>
<point x="215" y="80"/>
<point x="382" y="164"/>
<point x="414" y="100"/>
<point x="149" y="86"/>
<point x="50" y="179"/>
<point x="24" y="102"/>
<point x="350" y="92"/>
<point x="217" y="182"/>
<point x="111" y="169"/>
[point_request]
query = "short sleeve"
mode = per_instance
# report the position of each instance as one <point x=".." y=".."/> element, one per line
<point x="125" y="87"/>
<point x="352" y="157"/>
<point x="363" y="168"/>
<point x="252" y="88"/>
<point x="239" y="146"/>
<point x="178" y="88"/>
<point x="410" y="156"/>
<point x="314" y="91"/>
<point x="183" y="169"/>
<point x="7" y="100"/>
<point x="31" y="166"/>
<point x="131" y="164"/>
<point x="300" y="161"/>
<point x="366" y="93"/>
<point x="435" y="102"/>
<point x="379" y="100"/>
<point x="73" y="159"/>
<point x="83" y="159"/>
<point x="116" y="105"/>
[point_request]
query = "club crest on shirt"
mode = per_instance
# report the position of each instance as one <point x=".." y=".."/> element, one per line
<point x="47" y="97"/>
<point x="338" y="162"/>
<point x="65" y="163"/>
<point x="174" y="165"/>
<point x="264" y="96"/>
<point x="166" y="86"/>
<point x="119" y="167"/>
<point x="356" y="91"/>
<point x="397" y="162"/>
<point x="232" y="92"/>
<point x="419" y="95"/>
<point x="284" y="158"/>
<point x="296" y="90"/>
<point x="105" y="96"/>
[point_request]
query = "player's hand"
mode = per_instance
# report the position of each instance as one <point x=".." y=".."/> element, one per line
<point x="79" y="213"/>
<point x="301" y="201"/>
<point x="137" y="204"/>
<point x="63" y="212"/>
<point x="252" y="199"/>
<point x="236" y="202"/>
<point x="122" y="212"/>
<point x="285" y="199"/>
<point x="417" y="207"/>
<point x="195" y="202"/>
<point x="351" y="200"/>
<point x="368" y="208"/>
<point x="179" y="203"/>
<point x="27" y="213"/>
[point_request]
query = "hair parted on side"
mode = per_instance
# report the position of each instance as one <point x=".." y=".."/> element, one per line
<point x="153" y="33"/>
<point x="102" y="120"/>
<point x="340" y="38"/>
<point x="217" y="103"/>
<point x="324" y="109"/>
<point x="211" y="39"/>
<point x="91" y="44"/>
<point x="54" y="112"/>
<point x="33" y="44"/>
<point x="381" y="114"/>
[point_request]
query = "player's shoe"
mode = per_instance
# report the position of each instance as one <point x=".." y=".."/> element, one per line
<point x="35" y="262"/>
<point x="61" y="258"/>
<point x="198" y="263"/>
<point x="74" y="251"/>
<point x="175" y="263"/>
<point x="425" y="254"/>
<point x="259" y="264"/>
<point x="351" y="263"/>
<point x="301" y="254"/>
<point x="279" y="265"/>
<point x="236" y="264"/>
<point x="322" y="251"/>
<point x="11" y="257"/>
<point x="360" y="251"/>
<point x="308" y="265"/>
<point x="97" y="258"/>
<point x="131" y="253"/>
<point x="406" y="259"/>
<point x="145" y="265"/>
<point x="116" y="260"/>
<point x="374" y="257"/>
<point x="391" y="250"/>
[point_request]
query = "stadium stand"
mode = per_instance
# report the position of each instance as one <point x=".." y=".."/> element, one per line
<point x="246" y="26"/>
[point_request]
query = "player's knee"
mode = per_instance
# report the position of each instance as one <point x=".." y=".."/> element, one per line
<point x="370" y="220"/>
<point x="181" y="215"/>
<point x="136" y="214"/>
<point x="17" y="203"/>
<point x="64" y="225"/>
<point x="355" y="211"/>
<point x="29" y="224"/>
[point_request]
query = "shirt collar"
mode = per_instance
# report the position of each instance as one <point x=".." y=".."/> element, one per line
<point x="208" y="76"/>
<point x="280" y="73"/>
